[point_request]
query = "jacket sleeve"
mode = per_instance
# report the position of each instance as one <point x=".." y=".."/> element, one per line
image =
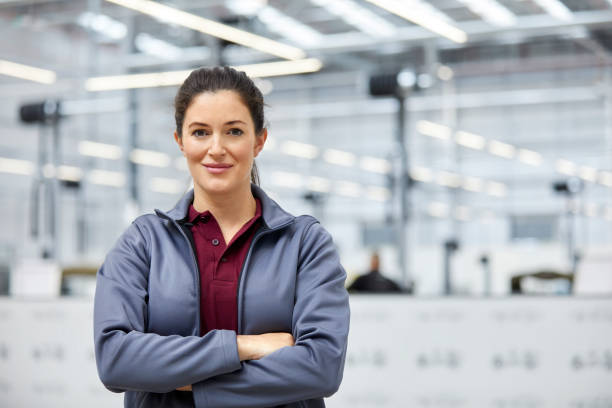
<point x="313" y="367"/>
<point x="127" y="357"/>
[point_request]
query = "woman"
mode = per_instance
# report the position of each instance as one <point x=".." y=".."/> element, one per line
<point x="226" y="300"/>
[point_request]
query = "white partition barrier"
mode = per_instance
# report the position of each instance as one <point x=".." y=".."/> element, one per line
<point x="403" y="352"/>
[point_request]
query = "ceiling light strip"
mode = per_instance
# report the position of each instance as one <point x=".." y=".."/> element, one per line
<point x="419" y="13"/>
<point x="30" y="73"/>
<point x="210" y="27"/>
<point x="172" y="78"/>
<point x="556" y="9"/>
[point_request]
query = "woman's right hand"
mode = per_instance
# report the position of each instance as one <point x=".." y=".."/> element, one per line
<point x="254" y="347"/>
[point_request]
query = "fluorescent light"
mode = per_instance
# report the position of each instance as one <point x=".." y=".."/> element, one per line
<point x="588" y="173"/>
<point x="445" y="73"/>
<point x="492" y="12"/>
<point x="591" y="209"/>
<point x="154" y="46"/>
<point x="289" y="27"/>
<point x="605" y="178"/>
<point x="470" y="140"/>
<point x="437" y="209"/>
<point x="375" y="165"/>
<point x="15" y="166"/>
<point x="348" y="188"/>
<point x="27" y="72"/>
<point x="166" y="185"/>
<point x="502" y="149"/>
<point x="359" y="17"/>
<point x="103" y="24"/>
<point x="171" y="78"/>
<point x="107" y="178"/>
<point x="339" y="157"/>
<point x="102" y="150"/>
<point x="421" y="174"/>
<point x="68" y="173"/>
<point x="462" y="213"/>
<point x="432" y="129"/>
<point x="378" y="193"/>
<point x="472" y="184"/>
<point x="149" y="158"/>
<point x="287" y="179"/>
<point x="448" y="179"/>
<point x="565" y="167"/>
<point x="497" y="189"/>
<point x="210" y="27"/>
<point x="530" y="157"/>
<point x="556" y="9"/>
<point x="299" y="149"/>
<point x="424" y="15"/>
<point x="319" y="184"/>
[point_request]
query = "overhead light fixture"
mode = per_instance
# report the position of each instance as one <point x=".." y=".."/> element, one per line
<point x="166" y="185"/>
<point x="497" y="189"/>
<point x="605" y="178"/>
<point x="159" y="48"/>
<point x="359" y="17"/>
<point x="530" y="157"/>
<point x="375" y="164"/>
<point x="432" y="129"/>
<point x="591" y="209"/>
<point x="492" y="12"/>
<point x="424" y="15"/>
<point x="107" y="178"/>
<point x="171" y="78"/>
<point x="502" y="149"/>
<point x="565" y="167"/>
<point x="15" y="166"/>
<point x="378" y="193"/>
<point x="30" y="73"/>
<point x="437" y="209"/>
<point x="473" y="184"/>
<point x="103" y="25"/>
<point x="150" y="158"/>
<point x="319" y="184"/>
<point x="471" y="140"/>
<point x="588" y="173"/>
<point x="289" y="27"/>
<point x="298" y="149"/>
<point x="67" y="173"/>
<point x="448" y="179"/>
<point x="339" y="157"/>
<point x="421" y="174"/>
<point x="102" y="150"/>
<point x="210" y="27"/>
<point x="445" y="73"/>
<point x="556" y="9"/>
<point x="348" y="189"/>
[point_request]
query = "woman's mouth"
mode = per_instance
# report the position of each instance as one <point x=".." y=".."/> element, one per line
<point x="217" y="168"/>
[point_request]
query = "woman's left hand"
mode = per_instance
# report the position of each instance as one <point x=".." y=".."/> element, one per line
<point x="185" y="388"/>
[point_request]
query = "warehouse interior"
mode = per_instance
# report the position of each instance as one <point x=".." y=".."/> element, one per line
<point x="468" y="142"/>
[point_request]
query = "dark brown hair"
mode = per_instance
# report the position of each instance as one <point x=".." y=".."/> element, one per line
<point x="216" y="79"/>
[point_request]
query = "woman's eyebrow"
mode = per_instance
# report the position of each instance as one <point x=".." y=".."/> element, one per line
<point x="231" y="122"/>
<point x="198" y="124"/>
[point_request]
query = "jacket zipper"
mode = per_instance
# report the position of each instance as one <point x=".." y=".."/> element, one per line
<point x="197" y="274"/>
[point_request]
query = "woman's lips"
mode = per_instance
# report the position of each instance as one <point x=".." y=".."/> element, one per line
<point x="217" y="168"/>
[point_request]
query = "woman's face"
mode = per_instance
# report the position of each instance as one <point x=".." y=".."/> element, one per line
<point x="219" y="142"/>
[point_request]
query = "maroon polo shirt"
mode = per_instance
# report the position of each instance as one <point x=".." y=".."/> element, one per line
<point x="220" y="266"/>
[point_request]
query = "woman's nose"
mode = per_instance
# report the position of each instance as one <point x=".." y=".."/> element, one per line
<point x="216" y="147"/>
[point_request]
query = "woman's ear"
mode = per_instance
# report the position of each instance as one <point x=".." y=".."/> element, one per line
<point x="260" y="140"/>
<point x="179" y="141"/>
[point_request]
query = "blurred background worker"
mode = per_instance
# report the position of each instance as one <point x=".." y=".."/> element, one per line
<point x="374" y="281"/>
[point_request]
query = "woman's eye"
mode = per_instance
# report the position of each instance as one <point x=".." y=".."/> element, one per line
<point x="236" y="132"/>
<point x="199" y="132"/>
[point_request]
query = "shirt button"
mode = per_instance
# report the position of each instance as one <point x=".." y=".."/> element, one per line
<point x="204" y="218"/>
<point x="215" y="242"/>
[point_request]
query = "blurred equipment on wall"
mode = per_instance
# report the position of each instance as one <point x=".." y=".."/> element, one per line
<point x="450" y="247"/>
<point x="543" y="282"/>
<point x="570" y="189"/>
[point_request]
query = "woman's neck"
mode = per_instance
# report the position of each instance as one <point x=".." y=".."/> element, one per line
<point x="232" y="208"/>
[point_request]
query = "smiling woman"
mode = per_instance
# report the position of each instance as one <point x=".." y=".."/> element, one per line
<point x="226" y="300"/>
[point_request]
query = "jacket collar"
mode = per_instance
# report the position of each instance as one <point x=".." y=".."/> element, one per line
<point x="273" y="215"/>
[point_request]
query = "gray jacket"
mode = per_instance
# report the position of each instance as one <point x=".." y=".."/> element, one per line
<point x="147" y="317"/>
